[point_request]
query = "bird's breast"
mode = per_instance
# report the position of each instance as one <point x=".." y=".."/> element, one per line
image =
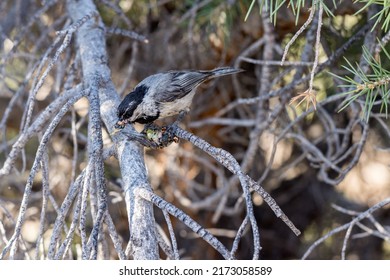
<point x="168" y="109"/>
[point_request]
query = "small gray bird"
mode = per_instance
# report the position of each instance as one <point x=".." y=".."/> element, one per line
<point x="163" y="95"/>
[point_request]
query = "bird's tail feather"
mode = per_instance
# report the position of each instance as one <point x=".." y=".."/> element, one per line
<point x="225" y="71"/>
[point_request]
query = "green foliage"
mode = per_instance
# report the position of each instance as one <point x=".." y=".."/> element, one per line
<point x="217" y="13"/>
<point x="274" y="6"/>
<point x="368" y="86"/>
<point x="296" y="6"/>
<point x="383" y="15"/>
<point x="216" y="17"/>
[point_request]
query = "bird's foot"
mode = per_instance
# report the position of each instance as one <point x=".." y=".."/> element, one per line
<point x="181" y="116"/>
<point x="161" y="136"/>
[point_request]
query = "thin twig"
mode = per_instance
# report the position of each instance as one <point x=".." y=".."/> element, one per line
<point x="35" y="169"/>
<point x="172" y="235"/>
<point x="357" y="219"/>
<point x="187" y="220"/>
<point x="299" y="32"/>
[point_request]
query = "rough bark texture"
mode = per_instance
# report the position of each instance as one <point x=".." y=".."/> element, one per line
<point x="97" y="76"/>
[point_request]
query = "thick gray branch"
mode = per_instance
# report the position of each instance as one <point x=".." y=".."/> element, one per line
<point x="97" y="76"/>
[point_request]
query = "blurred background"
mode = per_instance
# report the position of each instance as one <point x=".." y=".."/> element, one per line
<point x="323" y="167"/>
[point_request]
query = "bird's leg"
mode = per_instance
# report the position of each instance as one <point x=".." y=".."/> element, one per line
<point x="154" y="136"/>
<point x="181" y="116"/>
<point x="168" y="135"/>
<point x="160" y="136"/>
<point x="167" y="132"/>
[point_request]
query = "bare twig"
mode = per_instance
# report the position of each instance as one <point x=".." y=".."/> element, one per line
<point x="35" y="168"/>
<point x="357" y="219"/>
<point x="172" y="235"/>
<point x="194" y="226"/>
<point x="127" y="33"/>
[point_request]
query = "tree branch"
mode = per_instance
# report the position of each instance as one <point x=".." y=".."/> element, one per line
<point x="96" y="73"/>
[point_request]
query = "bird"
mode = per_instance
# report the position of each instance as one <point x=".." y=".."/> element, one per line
<point x="164" y="94"/>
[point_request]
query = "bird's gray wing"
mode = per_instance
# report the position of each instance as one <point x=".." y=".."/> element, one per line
<point x="181" y="84"/>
